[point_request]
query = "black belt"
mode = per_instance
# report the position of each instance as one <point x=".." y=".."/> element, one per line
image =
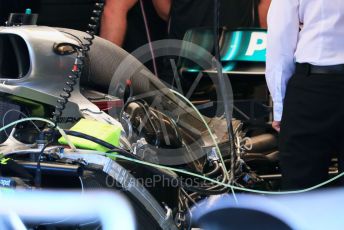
<point x="305" y="68"/>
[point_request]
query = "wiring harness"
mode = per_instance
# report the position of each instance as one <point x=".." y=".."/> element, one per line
<point x="76" y="73"/>
<point x="79" y="62"/>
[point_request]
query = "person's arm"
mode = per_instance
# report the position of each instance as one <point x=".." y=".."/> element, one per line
<point x="283" y="31"/>
<point x="114" y="20"/>
<point x="163" y="8"/>
<point x="263" y="9"/>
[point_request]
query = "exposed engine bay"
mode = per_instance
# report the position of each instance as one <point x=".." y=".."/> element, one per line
<point x="166" y="156"/>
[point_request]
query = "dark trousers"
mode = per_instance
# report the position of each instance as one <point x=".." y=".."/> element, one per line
<point x="312" y="128"/>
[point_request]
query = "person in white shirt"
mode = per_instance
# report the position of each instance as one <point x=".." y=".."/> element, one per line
<point x="305" y="76"/>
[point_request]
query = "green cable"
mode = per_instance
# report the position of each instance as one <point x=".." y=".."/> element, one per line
<point x="220" y="156"/>
<point x="113" y="156"/>
<point x="71" y="145"/>
<point x="218" y="151"/>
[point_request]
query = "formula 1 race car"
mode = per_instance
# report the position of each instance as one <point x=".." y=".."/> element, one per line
<point x="78" y="112"/>
<point x="137" y="132"/>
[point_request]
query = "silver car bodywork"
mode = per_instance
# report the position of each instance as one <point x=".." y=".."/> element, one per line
<point x="48" y="72"/>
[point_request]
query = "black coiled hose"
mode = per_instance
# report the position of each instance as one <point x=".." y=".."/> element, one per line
<point x="93" y="26"/>
<point x="79" y="62"/>
<point x="70" y="84"/>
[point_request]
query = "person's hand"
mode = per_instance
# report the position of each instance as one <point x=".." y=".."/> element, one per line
<point x="276" y="125"/>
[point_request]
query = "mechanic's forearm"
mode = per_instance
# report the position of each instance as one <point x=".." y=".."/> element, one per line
<point x="263" y="9"/>
<point x="163" y="8"/>
<point x="113" y="25"/>
<point x="114" y="20"/>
